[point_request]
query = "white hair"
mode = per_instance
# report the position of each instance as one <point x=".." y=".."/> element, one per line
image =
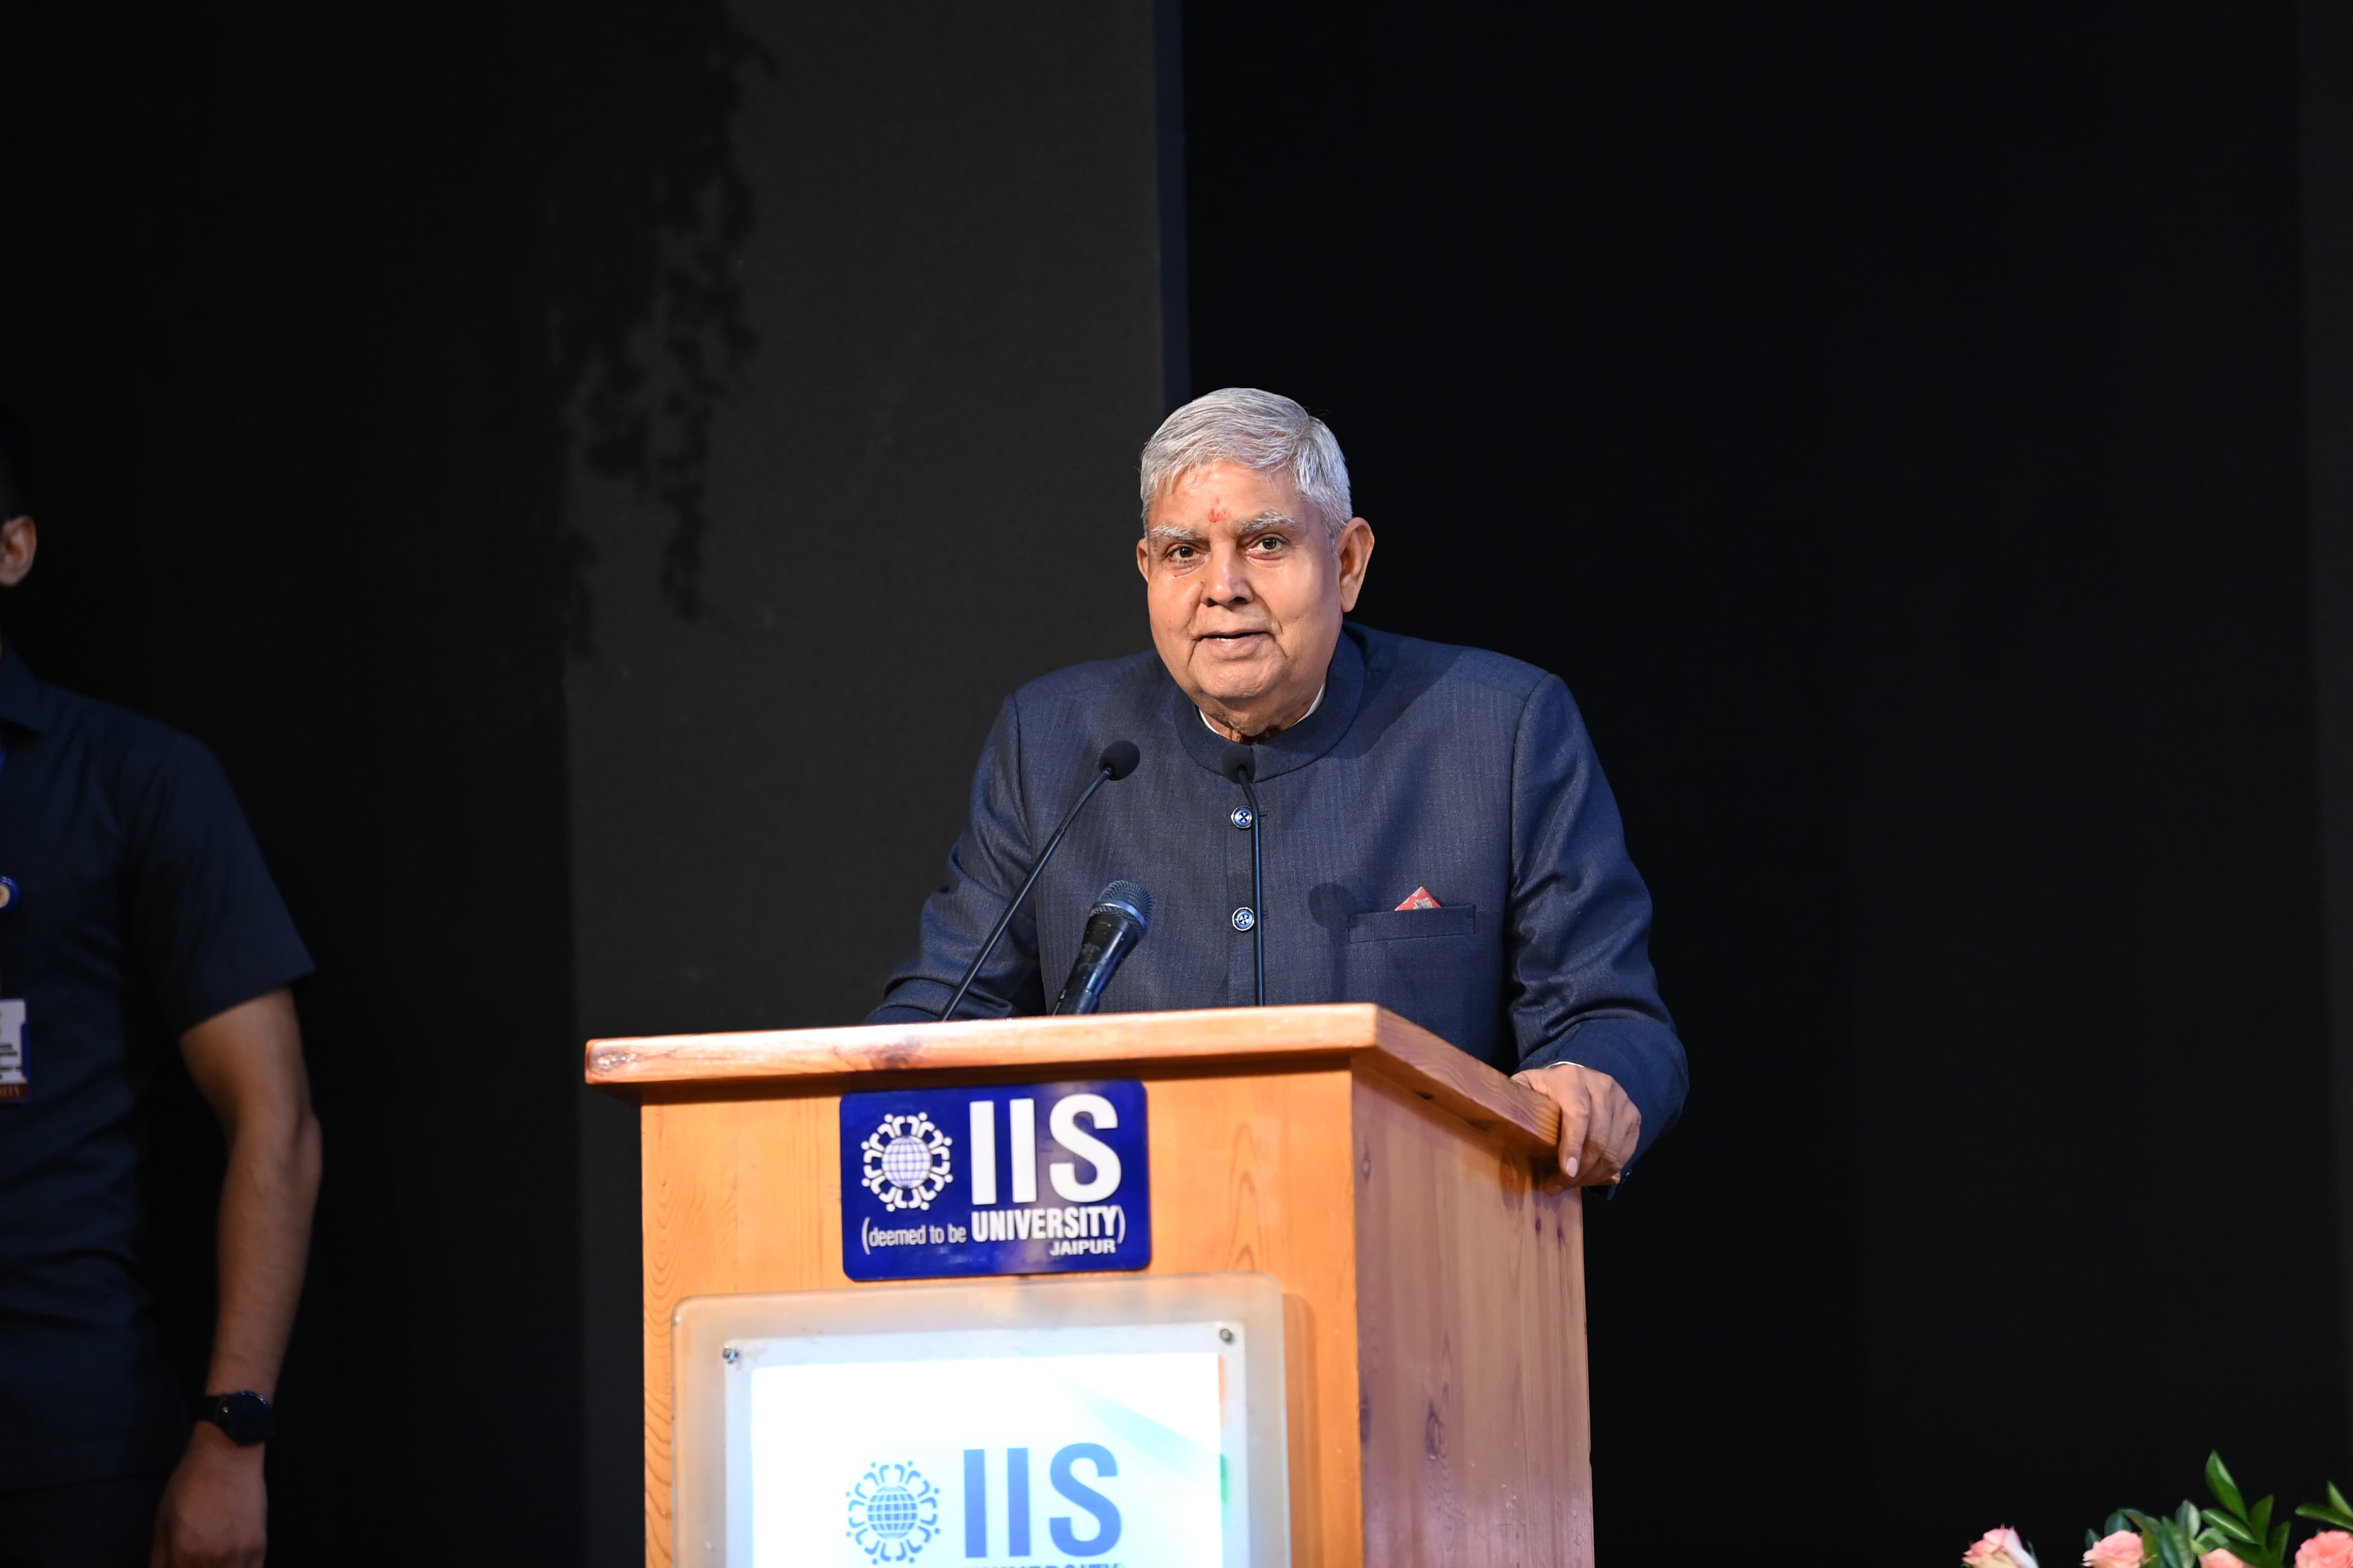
<point x="1263" y="431"/>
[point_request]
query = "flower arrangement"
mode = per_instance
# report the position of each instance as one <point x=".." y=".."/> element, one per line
<point x="2230" y="1534"/>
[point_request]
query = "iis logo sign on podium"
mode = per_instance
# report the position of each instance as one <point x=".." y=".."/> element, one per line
<point x="895" y="1510"/>
<point x="1028" y="1179"/>
<point x="1114" y="1459"/>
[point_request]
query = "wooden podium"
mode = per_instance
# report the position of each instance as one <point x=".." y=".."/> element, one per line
<point x="1432" y="1289"/>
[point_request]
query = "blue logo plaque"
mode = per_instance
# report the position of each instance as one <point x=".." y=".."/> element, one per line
<point x="1035" y="1178"/>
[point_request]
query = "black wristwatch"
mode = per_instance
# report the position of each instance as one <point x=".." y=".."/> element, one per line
<point x="244" y="1416"/>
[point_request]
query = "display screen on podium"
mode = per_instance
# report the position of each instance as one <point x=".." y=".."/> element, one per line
<point x="1134" y="1422"/>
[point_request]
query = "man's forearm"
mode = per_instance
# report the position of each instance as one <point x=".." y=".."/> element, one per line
<point x="247" y="1062"/>
<point x="266" y="1196"/>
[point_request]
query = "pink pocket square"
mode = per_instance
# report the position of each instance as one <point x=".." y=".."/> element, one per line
<point x="1418" y="899"/>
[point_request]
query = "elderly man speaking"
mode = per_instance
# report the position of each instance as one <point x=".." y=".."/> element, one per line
<point x="1436" y="836"/>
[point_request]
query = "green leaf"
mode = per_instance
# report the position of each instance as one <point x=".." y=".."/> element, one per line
<point x="2279" y="1541"/>
<point x="2261" y="1518"/>
<point x="2224" y="1525"/>
<point x="2163" y="1542"/>
<point x="2335" y="1511"/>
<point x="2219" y="1481"/>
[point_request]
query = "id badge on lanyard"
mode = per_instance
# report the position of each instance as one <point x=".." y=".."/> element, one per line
<point x="12" y="1081"/>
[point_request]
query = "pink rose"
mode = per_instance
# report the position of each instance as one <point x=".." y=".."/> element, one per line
<point x="2329" y="1549"/>
<point x="2121" y="1550"/>
<point x="1999" y="1548"/>
<point x="2220" y="1557"/>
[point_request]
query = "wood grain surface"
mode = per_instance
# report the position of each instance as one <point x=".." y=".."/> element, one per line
<point x="652" y="1067"/>
<point x="1471" y="1347"/>
<point x="738" y="1195"/>
<point x="1433" y="1313"/>
<point x="1249" y="1172"/>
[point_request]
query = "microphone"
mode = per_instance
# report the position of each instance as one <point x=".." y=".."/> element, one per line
<point x="1118" y="761"/>
<point x="1240" y="764"/>
<point x="1123" y="914"/>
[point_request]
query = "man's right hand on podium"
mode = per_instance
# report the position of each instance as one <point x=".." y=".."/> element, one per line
<point x="1600" y="1126"/>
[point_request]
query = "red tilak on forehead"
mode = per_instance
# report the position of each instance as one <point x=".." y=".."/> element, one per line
<point x="1217" y="512"/>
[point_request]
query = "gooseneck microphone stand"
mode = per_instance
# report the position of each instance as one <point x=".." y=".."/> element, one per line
<point x="1118" y="761"/>
<point x="1240" y="764"/>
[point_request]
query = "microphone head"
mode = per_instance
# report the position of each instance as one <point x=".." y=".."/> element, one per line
<point x="1238" y="763"/>
<point x="1127" y="896"/>
<point x="1118" y="760"/>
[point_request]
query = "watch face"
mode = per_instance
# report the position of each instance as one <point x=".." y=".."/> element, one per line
<point x="245" y="1416"/>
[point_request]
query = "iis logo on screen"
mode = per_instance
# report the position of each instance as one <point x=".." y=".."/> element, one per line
<point x="1008" y="1179"/>
<point x="894" y="1510"/>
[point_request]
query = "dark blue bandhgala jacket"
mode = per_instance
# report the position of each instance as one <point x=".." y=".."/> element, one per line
<point x="1464" y="773"/>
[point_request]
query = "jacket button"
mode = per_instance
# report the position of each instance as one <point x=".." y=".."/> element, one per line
<point x="1242" y="817"/>
<point x="1245" y="918"/>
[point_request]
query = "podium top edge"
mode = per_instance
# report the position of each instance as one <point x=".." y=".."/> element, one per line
<point x="1361" y="1033"/>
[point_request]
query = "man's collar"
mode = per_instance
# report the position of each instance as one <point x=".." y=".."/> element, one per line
<point x="1343" y="688"/>
<point x="22" y="702"/>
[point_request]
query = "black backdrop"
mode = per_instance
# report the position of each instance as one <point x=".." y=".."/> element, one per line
<point x="1887" y="420"/>
<point x="1891" y="421"/>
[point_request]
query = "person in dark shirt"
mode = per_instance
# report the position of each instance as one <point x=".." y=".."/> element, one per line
<point x="134" y="908"/>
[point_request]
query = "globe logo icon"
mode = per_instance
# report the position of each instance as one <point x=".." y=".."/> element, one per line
<point x="891" y="1511"/>
<point x="906" y="1160"/>
<point x="895" y="1511"/>
<point x="907" y="1163"/>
